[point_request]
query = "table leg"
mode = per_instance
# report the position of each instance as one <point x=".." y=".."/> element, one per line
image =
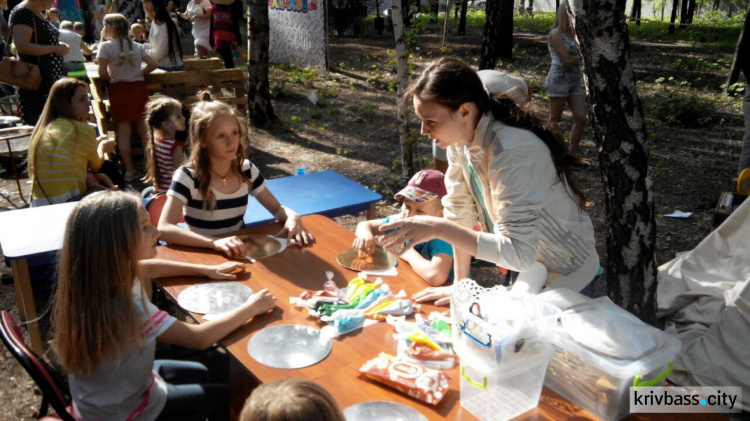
<point x="241" y="383"/>
<point x="25" y="302"/>
<point x="372" y="212"/>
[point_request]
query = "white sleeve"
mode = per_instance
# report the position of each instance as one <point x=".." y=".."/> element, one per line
<point x="518" y="187"/>
<point x="158" y="46"/>
<point x="458" y="203"/>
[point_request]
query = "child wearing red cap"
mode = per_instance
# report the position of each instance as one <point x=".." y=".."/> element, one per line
<point x="432" y="260"/>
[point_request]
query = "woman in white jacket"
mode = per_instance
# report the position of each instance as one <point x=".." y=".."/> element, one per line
<point x="507" y="171"/>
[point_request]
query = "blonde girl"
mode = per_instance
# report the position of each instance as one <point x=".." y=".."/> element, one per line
<point x="105" y="328"/>
<point x="120" y="63"/>
<point x="213" y="187"/>
<point x="63" y="148"/>
<point x="291" y="400"/>
<point x="564" y="80"/>
<point x="164" y="152"/>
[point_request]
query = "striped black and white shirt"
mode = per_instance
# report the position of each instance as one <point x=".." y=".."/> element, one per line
<point x="230" y="208"/>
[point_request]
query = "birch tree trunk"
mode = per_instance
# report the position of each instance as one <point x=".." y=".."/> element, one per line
<point x="258" y="95"/>
<point x="673" y="17"/>
<point x="635" y="14"/>
<point x="445" y="24"/>
<point x="407" y="154"/>
<point x="620" y="134"/>
<point x="497" y="41"/>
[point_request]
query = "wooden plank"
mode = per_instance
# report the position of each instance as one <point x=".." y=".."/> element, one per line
<point x="203" y="64"/>
<point x="25" y="302"/>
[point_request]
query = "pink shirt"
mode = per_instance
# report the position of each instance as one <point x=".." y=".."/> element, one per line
<point x="125" y="71"/>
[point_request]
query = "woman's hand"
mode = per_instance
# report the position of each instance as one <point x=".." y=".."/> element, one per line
<point x="62" y="49"/>
<point x="441" y="295"/>
<point x="409" y="232"/>
<point x="294" y="230"/>
<point x="231" y="246"/>
<point x="223" y="271"/>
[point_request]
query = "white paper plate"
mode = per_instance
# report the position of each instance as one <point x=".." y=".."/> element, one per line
<point x="213" y="297"/>
<point x="382" y="411"/>
<point x="289" y="346"/>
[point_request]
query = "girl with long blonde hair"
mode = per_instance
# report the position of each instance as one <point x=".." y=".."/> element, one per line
<point x="213" y="187"/>
<point x="105" y="328"/>
<point x="564" y="80"/>
<point x="63" y="147"/>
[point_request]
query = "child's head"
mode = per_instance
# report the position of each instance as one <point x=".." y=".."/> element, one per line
<point x="79" y="28"/>
<point x="66" y="24"/>
<point x="54" y="15"/>
<point x="423" y="193"/>
<point x="163" y="114"/>
<point x="138" y="31"/>
<point x="291" y="400"/>
<point x="115" y="26"/>
<point x="217" y="132"/>
<point x="94" y="318"/>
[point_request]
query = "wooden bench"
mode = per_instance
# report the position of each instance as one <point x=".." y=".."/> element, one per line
<point x="227" y="85"/>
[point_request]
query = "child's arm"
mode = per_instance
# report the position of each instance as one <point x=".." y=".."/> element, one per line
<point x="85" y="48"/>
<point x="293" y="228"/>
<point x="201" y="336"/>
<point x="151" y="64"/>
<point x="157" y="268"/>
<point x="103" y="73"/>
<point x="170" y="232"/>
<point x="434" y="271"/>
<point x="365" y="232"/>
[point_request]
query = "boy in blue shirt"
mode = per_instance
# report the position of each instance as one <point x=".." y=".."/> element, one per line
<point x="432" y="260"/>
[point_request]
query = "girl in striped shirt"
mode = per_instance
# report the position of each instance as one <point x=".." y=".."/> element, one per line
<point x="164" y="152"/>
<point x="106" y="329"/>
<point x="212" y="189"/>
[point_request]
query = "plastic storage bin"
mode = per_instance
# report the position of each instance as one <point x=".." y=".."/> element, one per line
<point x="599" y="380"/>
<point x="506" y="391"/>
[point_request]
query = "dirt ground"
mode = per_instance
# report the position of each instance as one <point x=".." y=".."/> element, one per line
<point x="353" y="130"/>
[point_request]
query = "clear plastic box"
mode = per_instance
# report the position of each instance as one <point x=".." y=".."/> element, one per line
<point x="601" y="384"/>
<point x="505" y="391"/>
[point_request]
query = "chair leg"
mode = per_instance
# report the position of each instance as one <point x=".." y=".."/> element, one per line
<point x="44" y="408"/>
<point x="15" y="171"/>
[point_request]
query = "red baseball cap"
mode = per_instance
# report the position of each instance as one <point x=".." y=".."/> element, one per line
<point x="424" y="186"/>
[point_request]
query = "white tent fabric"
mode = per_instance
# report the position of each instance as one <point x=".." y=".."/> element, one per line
<point x="704" y="295"/>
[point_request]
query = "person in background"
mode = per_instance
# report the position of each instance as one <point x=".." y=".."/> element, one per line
<point x="5" y="31"/>
<point x="120" y="63"/>
<point x="225" y="28"/>
<point x="564" y="81"/>
<point x="74" y="60"/>
<point x="54" y="17"/>
<point x="199" y="14"/>
<point x="494" y="81"/>
<point x="164" y="152"/>
<point x="291" y="400"/>
<point x="138" y="32"/>
<point x="163" y="38"/>
<point x="37" y="41"/>
<point x="432" y="260"/>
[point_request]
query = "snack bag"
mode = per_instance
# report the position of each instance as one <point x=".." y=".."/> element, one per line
<point x="421" y="383"/>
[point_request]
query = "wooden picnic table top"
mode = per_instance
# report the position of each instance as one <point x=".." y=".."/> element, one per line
<point x="287" y="274"/>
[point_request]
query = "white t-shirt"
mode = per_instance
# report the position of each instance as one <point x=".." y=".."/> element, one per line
<point x="125" y="71"/>
<point x="74" y="42"/>
<point x="158" y="46"/>
<point x="128" y="388"/>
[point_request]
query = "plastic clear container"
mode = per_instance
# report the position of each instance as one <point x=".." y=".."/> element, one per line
<point x="505" y="391"/>
<point x="599" y="383"/>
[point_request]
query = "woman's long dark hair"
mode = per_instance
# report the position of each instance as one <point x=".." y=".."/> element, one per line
<point x="162" y="16"/>
<point x="451" y="82"/>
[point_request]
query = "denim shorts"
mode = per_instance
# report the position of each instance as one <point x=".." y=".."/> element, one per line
<point x="563" y="81"/>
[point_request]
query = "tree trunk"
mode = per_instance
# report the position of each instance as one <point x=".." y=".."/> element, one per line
<point x="258" y="95"/>
<point x="497" y="41"/>
<point x="663" y="6"/>
<point x="462" y="21"/>
<point x="620" y="134"/>
<point x="740" y="53"/>
<point x="683" y="14"/>
<point x="445" y="24"/>
<point x="557" y="4"/>
<point x="673" y="18"/>
<point x="690" y="11"/>
<point x="716" y="4"/>
<point x="407" y="154"/>
<point x="635" y="13"/>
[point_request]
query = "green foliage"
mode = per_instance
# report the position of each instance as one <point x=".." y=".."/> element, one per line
<point x="720" y="34"/>
<point x="316" y="113"/>
<point x="304" y="75"/>
<point x="296" y="119"/>
<point x="680" y="106"/>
